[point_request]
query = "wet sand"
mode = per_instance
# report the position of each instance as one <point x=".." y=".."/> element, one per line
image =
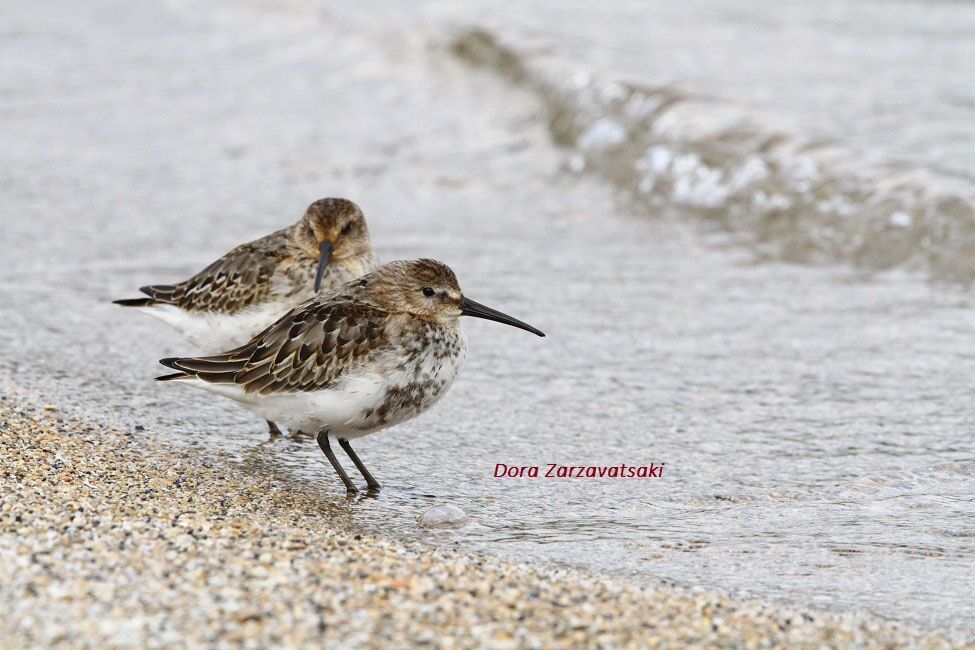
<point x="108" y="539"/>
<point x="815" y="423"/>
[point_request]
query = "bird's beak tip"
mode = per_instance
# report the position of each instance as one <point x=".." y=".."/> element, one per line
<point x="476" y="309"/>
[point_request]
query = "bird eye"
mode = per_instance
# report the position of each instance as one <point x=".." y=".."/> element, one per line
<point x="428" y="292"/>
<point x="347" y="228"/>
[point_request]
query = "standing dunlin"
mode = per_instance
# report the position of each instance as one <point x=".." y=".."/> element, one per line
<point x="237" y="296"/>
<point x="379" y="351"/>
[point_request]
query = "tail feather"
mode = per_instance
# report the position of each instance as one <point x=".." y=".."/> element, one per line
<point x="175" y="375"/>
<point x="158" y="294"/>
<point x="135" y="302"/>
<point x="216" y="369"/>
<point x="170" y="362"/>
<point x="205" y="365"/>
<point x="163" y="292"/>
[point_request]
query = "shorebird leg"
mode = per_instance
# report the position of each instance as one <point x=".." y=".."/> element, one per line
<point x="273" y="430"/>
<point x="327" y="448"/>
<point x="373" y="483"/>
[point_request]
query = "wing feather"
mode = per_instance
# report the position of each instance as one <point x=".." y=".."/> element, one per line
<point x="306" y="350"/>
<point x="231" y="283"/>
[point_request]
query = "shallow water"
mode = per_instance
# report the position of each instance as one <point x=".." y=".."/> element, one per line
<point x="815" y="422"/>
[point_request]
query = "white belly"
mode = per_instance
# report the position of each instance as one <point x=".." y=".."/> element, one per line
<point x="213" y="332"/>
<point x="363" y="401"/>
<point x="337" y="409"/>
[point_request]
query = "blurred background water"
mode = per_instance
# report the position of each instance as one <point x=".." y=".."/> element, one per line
<point x="747" y="229"/>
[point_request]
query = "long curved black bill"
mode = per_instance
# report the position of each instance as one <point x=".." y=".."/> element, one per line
<point x="470" y="308"/>
<point x="324" y="255"/>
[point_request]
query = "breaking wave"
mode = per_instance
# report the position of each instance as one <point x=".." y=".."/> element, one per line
<point x="790" y="199"/>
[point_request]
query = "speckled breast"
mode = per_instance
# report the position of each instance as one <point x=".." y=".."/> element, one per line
<point x="430" y="359"/>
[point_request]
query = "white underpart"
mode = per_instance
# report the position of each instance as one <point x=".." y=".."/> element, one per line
<point x="344" y="408"/>
<point x="214" y="332"/>
<point x="335" y="409"/>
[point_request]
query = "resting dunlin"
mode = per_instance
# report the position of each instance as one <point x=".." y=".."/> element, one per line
<point x="379" y="351"/>
<point x="236" y="297"/>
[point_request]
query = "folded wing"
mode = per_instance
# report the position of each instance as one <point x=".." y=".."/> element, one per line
<point x="306" y="350"/>
<point x="233" y="282"/>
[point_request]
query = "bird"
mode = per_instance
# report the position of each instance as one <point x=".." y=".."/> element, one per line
<point x="237" y="296"/>
<point x="379" y="351"/>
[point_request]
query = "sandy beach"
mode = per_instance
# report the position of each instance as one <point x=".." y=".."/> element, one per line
<point x="780" y="315"/>
<point x="111" y="540"/>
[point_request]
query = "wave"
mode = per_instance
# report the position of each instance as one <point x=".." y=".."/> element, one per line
<point x="790" y="199"/>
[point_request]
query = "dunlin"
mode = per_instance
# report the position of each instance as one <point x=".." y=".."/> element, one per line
<point x="379" y="351"/>
<point x="237" y="296"/>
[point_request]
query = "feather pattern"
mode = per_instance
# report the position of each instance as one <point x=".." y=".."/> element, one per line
<point x="237" y="280"/>
<point x="379" y="351"/>
<point x="237" y="296"/>
<point x="306" y="350"/>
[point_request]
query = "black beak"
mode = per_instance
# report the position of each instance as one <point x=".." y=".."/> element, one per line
<point x="324" y="255"/>
<point x="470" y="308"/>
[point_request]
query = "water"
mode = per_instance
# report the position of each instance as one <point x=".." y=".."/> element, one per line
<point x="815" y="420"/>
<point x="891" y="197"/>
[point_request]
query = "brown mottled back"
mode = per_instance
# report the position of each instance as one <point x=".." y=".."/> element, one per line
<point x="314" y="343"/>
<point x="233" y="282"/>
<point x="281" y="263"/>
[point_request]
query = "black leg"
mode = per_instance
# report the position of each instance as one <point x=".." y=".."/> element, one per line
<point x="323" y="443"/>
<point x="373" y="483"/>
<point x="273" y="430"/>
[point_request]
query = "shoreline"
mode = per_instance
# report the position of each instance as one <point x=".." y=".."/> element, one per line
<point x="139" y="154"/>
<point x="117" y="540"/>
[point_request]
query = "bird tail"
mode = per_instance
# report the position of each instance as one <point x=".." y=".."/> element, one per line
<point x="158" y="294"/>
<point x="221" y="368"/>
<point x="175" y="375"/>
<point x="135" y="302"/>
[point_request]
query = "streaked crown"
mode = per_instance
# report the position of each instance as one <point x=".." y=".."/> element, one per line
<point x="334" y="220"/>
<point x="423" y="287"/>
